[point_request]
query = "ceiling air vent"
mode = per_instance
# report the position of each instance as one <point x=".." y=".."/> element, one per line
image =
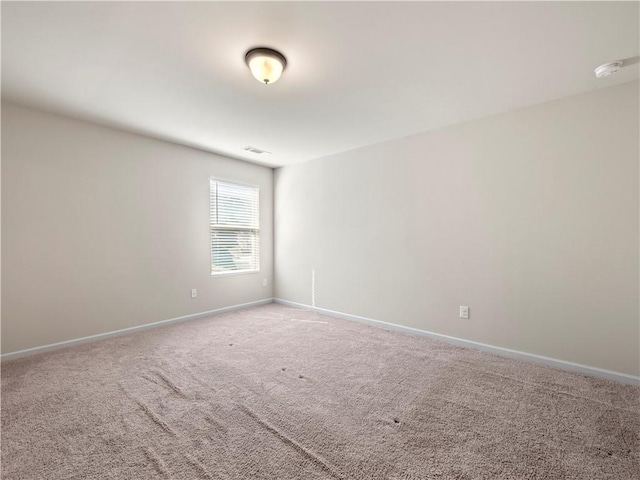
<point x="255" y="150"/>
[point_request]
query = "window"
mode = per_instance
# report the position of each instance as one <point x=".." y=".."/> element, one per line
<point x="235" y="230"/>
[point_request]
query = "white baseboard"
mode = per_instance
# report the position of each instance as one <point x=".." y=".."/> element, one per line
<point x="113" y="333"/>
<point x="505" y="352"/>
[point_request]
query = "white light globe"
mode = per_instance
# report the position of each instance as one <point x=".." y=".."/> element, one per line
<point x="266" y="65"/>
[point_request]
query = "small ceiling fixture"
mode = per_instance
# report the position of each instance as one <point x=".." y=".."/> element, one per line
<point x="265" y="64"/>
<point x="255" y="150"/>
<point x="608" y="69"/>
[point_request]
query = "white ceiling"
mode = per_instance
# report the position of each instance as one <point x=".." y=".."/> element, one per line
<point x="359" y="73"/>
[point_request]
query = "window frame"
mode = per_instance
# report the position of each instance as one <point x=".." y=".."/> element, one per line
<point x="217" y="227"/>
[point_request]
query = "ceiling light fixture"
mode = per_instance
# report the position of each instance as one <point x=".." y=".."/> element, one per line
<point x="608" y="69"/>
<point x="265" y="64"/>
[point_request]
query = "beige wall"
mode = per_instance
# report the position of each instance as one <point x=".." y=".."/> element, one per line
<point x="529" y="217"/>
<point x="103" y="230"/>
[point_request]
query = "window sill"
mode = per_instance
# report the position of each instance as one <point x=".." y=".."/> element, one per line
<point x="233" y="272"/>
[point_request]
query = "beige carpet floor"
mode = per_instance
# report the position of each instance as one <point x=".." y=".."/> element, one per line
<point x="279" y="393"/>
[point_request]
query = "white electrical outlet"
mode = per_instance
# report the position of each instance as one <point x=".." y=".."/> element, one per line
<point x="464" y="312"/>
<point x="194" y="293"/>
<point x="265" y="282"/>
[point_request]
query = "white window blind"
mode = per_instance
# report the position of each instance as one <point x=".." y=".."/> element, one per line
<point x="235" y="228"/>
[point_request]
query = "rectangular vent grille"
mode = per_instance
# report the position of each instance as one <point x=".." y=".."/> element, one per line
<point x="255" y="150"/>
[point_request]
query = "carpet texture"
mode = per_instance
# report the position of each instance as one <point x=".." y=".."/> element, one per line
<point x="279" y="393"/>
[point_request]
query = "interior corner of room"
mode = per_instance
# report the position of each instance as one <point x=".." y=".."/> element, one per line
<point x="529" y="217"/>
